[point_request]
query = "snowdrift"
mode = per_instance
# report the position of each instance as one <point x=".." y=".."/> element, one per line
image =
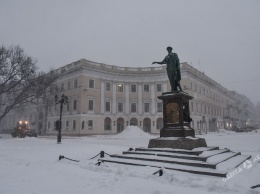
<point x="133" y="132"/>
<point x="225" y="132"/>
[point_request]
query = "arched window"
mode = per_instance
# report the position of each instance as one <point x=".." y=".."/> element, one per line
<point x="159" y="123"/>
<point x="120" y="125"/>
<point x="133" y="122"/>
<point x="147" y="125"/>
<point x="107" y="124"/>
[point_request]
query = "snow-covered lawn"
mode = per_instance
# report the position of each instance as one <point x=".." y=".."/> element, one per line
<point x="31" y="166"/>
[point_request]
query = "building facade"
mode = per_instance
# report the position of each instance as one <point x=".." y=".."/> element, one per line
<point x="105" y="99"/>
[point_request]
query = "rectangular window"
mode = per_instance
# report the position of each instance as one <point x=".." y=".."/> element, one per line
<point x="74" y="124"/>
<point x="67" y="124"/>
<point x="75" y="83"/>
<point x="68" y="106"/>
<point x="158" y="87"/>
<point x="146" y="107"/>
<point x="91" y="83"/>
<point x="49" y="125"/>
<point x="90" y="105"/>
<point x="107" y="107"/>
<point x="62" y="87"/>
<point x="90" y="124"/>
<point x="191" y="106"/>
<point x="68" y="85"/>
<point x="133" y="107"/>
<point x="133" y="87"/>
<point x="74" y="104"/>
<point x="108" y="86"/>
<point x="120" y="87"/>
<point x="159" y="107"/>
<point x="195" y="88"/>
<point x="146" y="87"/>
<point x="191" y="85"/>
<point x="120" y="107"/>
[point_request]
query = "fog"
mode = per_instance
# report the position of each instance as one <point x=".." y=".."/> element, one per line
<point x="218" y="37"/>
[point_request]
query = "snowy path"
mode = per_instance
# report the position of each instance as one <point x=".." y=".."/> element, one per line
<point x="31" y="166"/>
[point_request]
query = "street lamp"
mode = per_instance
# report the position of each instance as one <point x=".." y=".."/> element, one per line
<point x="63" y="100"/>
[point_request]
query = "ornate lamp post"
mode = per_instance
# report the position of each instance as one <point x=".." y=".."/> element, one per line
<point x="63" y="100"/>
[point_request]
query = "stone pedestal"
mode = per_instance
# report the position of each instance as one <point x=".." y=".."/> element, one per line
<point x="187" y="143"/>
<point x="176" y="122"/>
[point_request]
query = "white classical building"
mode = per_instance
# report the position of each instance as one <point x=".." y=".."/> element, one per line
<point x="105" y="99"/>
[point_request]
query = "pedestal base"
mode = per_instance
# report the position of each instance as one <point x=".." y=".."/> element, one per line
<point x="177" y="132"/>
<point x="187" y="143"/>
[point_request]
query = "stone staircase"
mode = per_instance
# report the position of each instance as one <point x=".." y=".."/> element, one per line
<point x="203" y="160"/>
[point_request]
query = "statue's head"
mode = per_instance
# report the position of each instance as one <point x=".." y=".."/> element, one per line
<point x="169" y="49"/>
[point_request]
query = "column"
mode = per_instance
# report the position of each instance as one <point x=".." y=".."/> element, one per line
<point x="102" y="97"/>
<point x="126" y="99"/>
<point x="140" y="99"/>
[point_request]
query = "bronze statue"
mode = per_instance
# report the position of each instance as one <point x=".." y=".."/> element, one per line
<point x="173" y="69"/>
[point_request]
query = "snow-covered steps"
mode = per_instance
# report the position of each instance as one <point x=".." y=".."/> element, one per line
<point x="205" y="160"/>
<point x="196" y="151"/>
<point x="183" y="168"/>
<point x="157" y="158"/>
<point x="167" y="154"/>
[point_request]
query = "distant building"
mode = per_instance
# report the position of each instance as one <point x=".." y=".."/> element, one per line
<point x="105" y="99"/>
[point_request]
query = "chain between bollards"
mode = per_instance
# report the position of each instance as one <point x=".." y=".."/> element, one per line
<point x="63" y="157"/>
<point x="160" y="172"/>
<point x="256" y="186"/>
<point x="102" y="155"/>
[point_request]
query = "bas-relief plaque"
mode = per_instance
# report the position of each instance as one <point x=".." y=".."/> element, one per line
<point x="172" y="113"/>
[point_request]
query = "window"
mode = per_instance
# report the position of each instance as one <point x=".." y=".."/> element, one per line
<point x="195" y="88"/>
<point x="158" y="87"/>
<point x="90" y="124"/>
<point x="74" y="104"/>
<point x="133" y="88"/>
<point x="75" y="83"/>
<point x="146" y="107"/>
<point x="49" y="125"/>
<point x="191" y="106"/>
<point x="68" y="106"/>
<point x="91" y="83"/>
<point x="159" y="107"/>
<point x="90" y="105"/>
<point x="107" y="107"/>
<point x="74" y="124"/>
<point x="146" y="87"/>
<point x="120" y="107"/>
<point x="191" y="85"/>
<point x="67" y="124"/>
<point x="62" y="87"/>
<point x="68" y="85"/>
<point x="120" y="87"/>
<point x="133" y="107"/>
<point x="108" y="86"/>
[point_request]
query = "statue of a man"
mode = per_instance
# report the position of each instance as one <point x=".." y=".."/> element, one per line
<point x="173" y="69"/>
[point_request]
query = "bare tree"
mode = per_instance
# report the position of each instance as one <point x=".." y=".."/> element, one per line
<point x="20" y="83"/>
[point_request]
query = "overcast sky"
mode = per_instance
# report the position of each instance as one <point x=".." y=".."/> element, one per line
<point x="218" y="37"/>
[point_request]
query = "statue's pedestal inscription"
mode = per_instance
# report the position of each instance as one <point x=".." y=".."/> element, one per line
<point x="176" y="132"/>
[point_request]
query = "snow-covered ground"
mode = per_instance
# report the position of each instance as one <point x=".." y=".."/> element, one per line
<point x="31" y="166"/>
